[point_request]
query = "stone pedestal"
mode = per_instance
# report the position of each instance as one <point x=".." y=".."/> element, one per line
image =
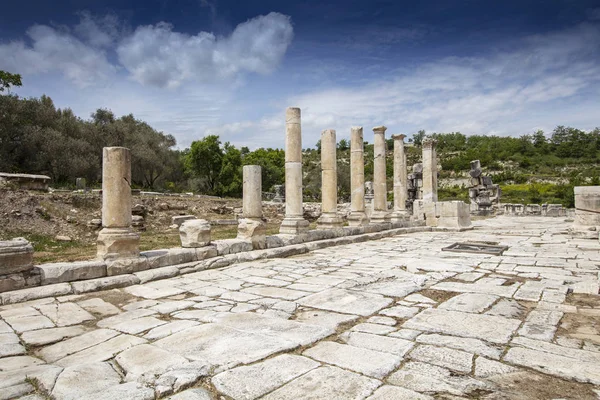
<point x="444" y="214"/>
<point x="587" y="212"/>
<point x="251" y="226"/>
<point x="116" y="239"/>
<point x="430" y="189"/>
<point x="16" y="255"/>
<point x="380" y="211"/>
<point x="400" y="180"/>
<point x="357" y="216"/>
<point x="293" y="223"/>
<point x="329" y="218"/>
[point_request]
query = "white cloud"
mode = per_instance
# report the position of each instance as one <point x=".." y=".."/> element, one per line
<point x="547" y="80"/>
<point x="156" y="55"/>
<point x="53" y="50"/>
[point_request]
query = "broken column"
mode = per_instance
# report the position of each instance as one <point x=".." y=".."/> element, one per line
<point x="587" y="212"/>
<point x="430" y="190"/>
<point x="117" y="239"/>
<point x="400" y="180"/>
<point x="380" y="213"/>
<point x="251" y="226"/>
<point x="293" y="223"/>
<point x="329" y="218"/>
<point x="357" y="215"/>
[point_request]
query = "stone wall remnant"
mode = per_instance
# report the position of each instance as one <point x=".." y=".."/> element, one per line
<point x="357" y="216"/>
<point x="380" y="208"/>
<point x="414" y="186"/>
<point x="293" y="223"/>
<point x="25" y="181"/>
<point x="484" y="196"/>
<point x="251" y="226"/>
<point x="117" y="239"/>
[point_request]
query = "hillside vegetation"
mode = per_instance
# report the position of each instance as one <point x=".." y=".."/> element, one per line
<point x="36" y="137"/>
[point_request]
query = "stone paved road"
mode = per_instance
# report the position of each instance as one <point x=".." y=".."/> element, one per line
<point x="390" y="319"/>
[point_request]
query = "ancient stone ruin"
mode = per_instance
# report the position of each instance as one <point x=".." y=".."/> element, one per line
<point x="484" y="196"/>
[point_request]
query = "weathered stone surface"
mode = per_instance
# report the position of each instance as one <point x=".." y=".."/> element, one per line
<point x="194" y="233"/>
<point x="248" y="382"/>
<point x="147" y="359"/>
<point x="52" y="335"/>
<point x="253" y="230"/>
<point x="471" y="345"/>
<point x="326" y="319"/>
<point x="485" y="368"/>
<point x="326" y="383"/>
<point x="388" y="392"/>
<point x="455" y="360"/>
<point x="70" y="346"/>
<point x="29" y="323"/>
<point x="192" y="394"/>
<point x="101" y="352"/>
<point x="383" y="344"/>
<point x="65" y="314"/>
<point x="168" y="329"/>
<point x="22" y="295"/>
<point x="181" y="219"/>
<point x="276" y="292"/>
<point x="16" y="255"/>
<point x="428" y="378"/>
<point x="346" y="301"/>
<point x="554" y="364"/>
<point x="71" y="271"/>
<point x="400" y="311"/>
<point x="469" y="302"/>
<point x="99" y="307"/>
<point x="158" y="273"/>
<point x="368" y="362"/>
<point x="480" y="326"/>
<point x="122" y="266"/>
<point x="109" y="282"/>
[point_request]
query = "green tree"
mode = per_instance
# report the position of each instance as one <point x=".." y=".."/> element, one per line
<point x="7" y="80"/>
<point x="230" y="177"/>
<point x="204" y="161"/>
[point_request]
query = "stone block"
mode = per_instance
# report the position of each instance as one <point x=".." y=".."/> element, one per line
<point x="106" y="283"/>
<point x="71" y="271"/>
<point x="19" y="296"/>
<point x="163" y="258"/>
<point x="254" y="230"/>
<point x="16" y="255"/>
<point x="123" y="266"/>
<point x="12" y="282"/>
<point x="194" y="233"/>
<point x="232" y="246"/>
<point x="453" y="214"/>
<point x="180" y="219"/>
<point x="118" y="243"/>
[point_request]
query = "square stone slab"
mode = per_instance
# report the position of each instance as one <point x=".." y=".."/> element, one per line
<point x="347" y="301"/>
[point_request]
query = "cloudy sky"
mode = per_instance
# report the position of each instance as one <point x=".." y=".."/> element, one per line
<point x="197" y="67"/>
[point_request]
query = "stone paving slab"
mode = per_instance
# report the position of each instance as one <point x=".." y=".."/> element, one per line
<point x="391" y="318"/>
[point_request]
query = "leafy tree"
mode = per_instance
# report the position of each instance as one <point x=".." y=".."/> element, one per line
<point x="204" y="161"/>
<point x="7" y="80"/>
<point x="230" y="177"/>
<point x="343" y="145"/>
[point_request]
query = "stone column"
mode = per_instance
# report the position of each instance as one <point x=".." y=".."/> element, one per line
<point x="357" y="216"/>
<point x="293" y="223"/>
<point x="329" y="218"/>
<point x="430" y="189"/>
<point x="116" y="239"/>
<point x="251" y="226"/>
<point x="400" y="180"/>
<point x="380" y="213"/>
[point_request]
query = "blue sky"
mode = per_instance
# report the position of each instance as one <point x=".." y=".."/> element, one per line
<point x="197" y="67"/>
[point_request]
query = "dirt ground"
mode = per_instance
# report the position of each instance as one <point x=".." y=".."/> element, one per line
<point x="43" y="218"/>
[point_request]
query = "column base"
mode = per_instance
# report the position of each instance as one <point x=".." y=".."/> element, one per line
<point x="255" y="230"/>
<point x="399" y="216"/>
<point x="329" y="221"/>
<point x="357" y="218"/>
<point x="293" y="226"/>
<point x="380" y="217"/>
<point x="116" y="243"/>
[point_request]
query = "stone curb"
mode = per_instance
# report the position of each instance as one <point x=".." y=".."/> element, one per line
<point x="188" y="260"/>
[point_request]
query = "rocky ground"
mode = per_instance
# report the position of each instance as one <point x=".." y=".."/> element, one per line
<point x="396" y="318"/>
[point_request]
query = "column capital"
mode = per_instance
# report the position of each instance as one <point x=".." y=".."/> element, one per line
<point x="379" y="129"/>
<point x="400" y="136"/>
<point x="429" y="143"/>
